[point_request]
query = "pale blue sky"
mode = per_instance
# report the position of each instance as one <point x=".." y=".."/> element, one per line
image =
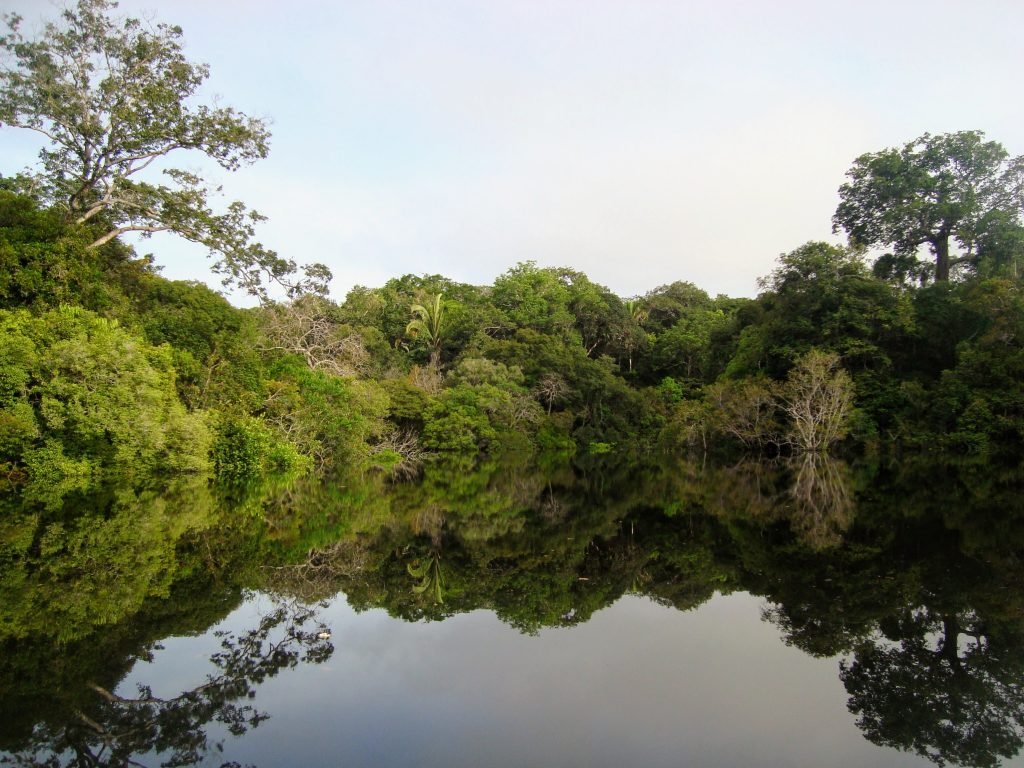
<point x="641" y="142"/>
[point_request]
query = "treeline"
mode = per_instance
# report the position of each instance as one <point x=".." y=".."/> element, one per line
<point x="107" y="367"/>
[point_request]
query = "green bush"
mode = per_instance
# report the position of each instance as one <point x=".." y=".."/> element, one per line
<point x="82" y="386"/>
<point x="240" y="447"/>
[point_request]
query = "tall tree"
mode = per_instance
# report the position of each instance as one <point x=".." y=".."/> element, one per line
<point x="934" y="191"/>
<point x="114" y="99"/>
<point x="535" y="297"/>
<point x="817" y="398"/>
<point x="666" y="304"/>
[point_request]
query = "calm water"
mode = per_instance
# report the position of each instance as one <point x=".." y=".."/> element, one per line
<point x="639" y="684"/>
<point x="657" y="614"/>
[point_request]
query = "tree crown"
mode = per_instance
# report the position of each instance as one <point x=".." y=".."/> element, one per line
<point x="114" y="98"/>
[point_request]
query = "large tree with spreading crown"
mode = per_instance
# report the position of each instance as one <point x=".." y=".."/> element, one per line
<point x="116" y="101"/>
<point x="954" y="193"/>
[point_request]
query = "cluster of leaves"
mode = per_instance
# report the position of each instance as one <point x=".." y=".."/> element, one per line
<point x="80" y="395"/>
<point x="108" y="369"/>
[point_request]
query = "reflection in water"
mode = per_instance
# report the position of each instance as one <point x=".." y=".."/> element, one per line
<point x="111" y="729"/>
<point x="68" y="572"/>
<point x="316" y="577"/>
<point x="941" y="685"/>
<point x="811" y="493"/>
<point x="913" y="579"/>
<point x="430" y="576"/>
<point x="823" y="503"/>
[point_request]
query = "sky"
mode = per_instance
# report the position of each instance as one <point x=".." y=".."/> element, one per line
<point x="638" y="141"/>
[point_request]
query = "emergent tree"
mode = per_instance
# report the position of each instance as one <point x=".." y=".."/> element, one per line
<point x="934" y="190"/>
<point x="115" y="98"/>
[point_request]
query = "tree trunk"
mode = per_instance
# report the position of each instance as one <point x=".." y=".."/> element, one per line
<point x="940" y="247"/>
<point x="949" y="648"/>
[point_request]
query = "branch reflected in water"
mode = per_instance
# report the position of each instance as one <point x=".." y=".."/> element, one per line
<point x="120" y="730"/>
<point x="823" y="502"/>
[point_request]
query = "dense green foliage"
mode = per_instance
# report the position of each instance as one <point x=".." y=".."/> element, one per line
<point x="108" y="368"/>
<point x="148" y="375"/>
<point x="82" y="396"/>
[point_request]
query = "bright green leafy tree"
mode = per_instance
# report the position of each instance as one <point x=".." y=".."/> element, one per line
<point x="80" y="396"/>
<point x="114" y="99"/>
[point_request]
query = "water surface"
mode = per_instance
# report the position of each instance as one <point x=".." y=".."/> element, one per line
<point x="656" y="614"/>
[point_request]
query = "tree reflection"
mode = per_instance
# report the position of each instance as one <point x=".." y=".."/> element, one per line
<point x="911" y="574"/>
<point x="429" y="575"/>
<point x="810" y="493"/>
<point x="95" y="563"/>
<point x="932" y="627"/>
<point x="823" y="504"/>
<point x="110" y="729"/>
<point x="920" y="596"/>
<point x="941" y="685"/>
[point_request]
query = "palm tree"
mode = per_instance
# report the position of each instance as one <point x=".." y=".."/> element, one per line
<point x="428" y="571"/>
<point x="638" y="311"/>
<point x="430" y="324"/>
<point x="632" y="336"/>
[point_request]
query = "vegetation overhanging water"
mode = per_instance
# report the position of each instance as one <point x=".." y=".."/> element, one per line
<point x="431" y="447"/>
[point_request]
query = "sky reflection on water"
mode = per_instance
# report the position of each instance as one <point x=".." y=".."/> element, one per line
<point x="639" y="684"/>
